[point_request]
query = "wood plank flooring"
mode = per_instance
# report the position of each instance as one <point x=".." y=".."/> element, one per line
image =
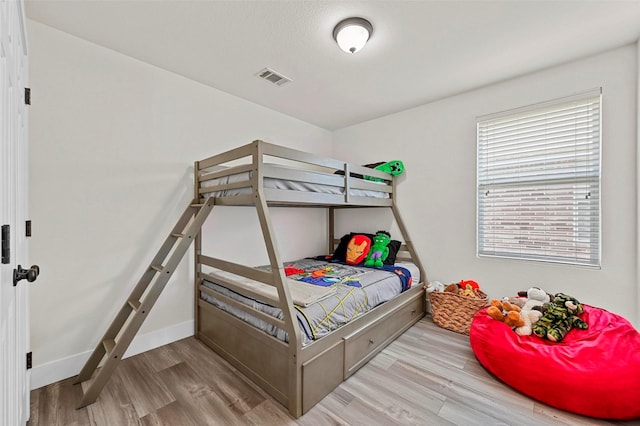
<point x="428" y="376"/>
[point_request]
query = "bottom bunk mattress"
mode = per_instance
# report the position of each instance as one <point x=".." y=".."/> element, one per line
<point x="341" y="292"/>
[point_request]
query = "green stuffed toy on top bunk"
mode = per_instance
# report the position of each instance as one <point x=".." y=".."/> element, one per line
<point x="395" y="168"/>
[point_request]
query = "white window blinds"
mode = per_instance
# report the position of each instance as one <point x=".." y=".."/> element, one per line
<point x="539" y="182"/>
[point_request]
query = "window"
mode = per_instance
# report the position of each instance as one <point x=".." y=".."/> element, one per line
<point x="539" y="182"/>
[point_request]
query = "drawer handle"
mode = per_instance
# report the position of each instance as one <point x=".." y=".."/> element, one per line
<point x="371" y="342"/>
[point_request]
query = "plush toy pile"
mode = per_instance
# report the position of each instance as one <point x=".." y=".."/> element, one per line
<point x="537" y="312"/>
<point x="466" y="288"/>
<point x="594" y="372"/>
<point x="453" y="306"/>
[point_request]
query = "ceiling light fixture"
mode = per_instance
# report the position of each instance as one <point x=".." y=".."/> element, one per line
<point x="352" y="34"/>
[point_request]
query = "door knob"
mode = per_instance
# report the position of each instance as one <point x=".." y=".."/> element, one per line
<point x="29" y="274"/>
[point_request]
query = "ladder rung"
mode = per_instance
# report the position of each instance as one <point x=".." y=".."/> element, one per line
<point x="125" y="326"/>
<point x="109" y="345"/>
<point x="135" y="304"/>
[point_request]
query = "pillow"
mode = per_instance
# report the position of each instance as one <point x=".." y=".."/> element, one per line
<point x="357" y="249"/>
<point x="341" y="251"/>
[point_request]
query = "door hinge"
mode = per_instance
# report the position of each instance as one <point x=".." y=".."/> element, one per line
<point x="6" y="244"/>
<point x="29" y="360"/>
<point x="27" y="228"/>
<point x="27" y="96"/>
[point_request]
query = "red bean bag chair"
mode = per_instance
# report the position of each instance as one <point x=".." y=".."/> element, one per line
<point x="593" y="372"/>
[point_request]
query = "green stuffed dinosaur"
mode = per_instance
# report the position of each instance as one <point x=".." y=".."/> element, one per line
<point x="379" y="250"/>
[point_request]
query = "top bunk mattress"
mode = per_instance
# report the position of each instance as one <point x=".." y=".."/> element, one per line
<point x="310" y="181"/>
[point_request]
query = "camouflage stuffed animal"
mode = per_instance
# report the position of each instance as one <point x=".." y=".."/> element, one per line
<point x="560" y="316"/>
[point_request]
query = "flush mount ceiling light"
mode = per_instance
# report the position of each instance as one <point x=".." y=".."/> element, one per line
<point x="352" y="34"/>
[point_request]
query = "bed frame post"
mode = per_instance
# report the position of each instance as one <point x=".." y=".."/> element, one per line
<point x="279" y="281"/>
<point x="197" y="250"/>
<point x="332" y="231"/>
<point x="405" y="233"/>
<point x="407" y="241"/>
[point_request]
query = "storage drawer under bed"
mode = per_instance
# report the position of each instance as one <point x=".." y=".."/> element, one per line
<point x="320" y="374"/>
<point x="362" y="345"/>
<point x="328" y="369"/>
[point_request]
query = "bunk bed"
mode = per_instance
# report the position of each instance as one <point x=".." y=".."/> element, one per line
<point x="294" y="366"/>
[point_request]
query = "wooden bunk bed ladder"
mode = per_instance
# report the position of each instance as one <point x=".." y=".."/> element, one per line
<point x="128" y="321"/>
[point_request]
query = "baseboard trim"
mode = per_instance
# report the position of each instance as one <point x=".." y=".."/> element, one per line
<point x="64" y="368"/>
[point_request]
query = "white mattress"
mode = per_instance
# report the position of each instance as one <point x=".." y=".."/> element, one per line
<point x="286" y="184"/>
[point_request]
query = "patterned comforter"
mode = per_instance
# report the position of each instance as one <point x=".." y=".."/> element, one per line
<point x="358" y="289"/>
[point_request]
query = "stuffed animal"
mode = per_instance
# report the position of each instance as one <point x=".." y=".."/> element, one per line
<point x="435" y="286"/>
<point x="559" y="318"/>
<point x="536" y="297"/>
<point x="529" y="318"/>
<point x="395" y="168"/>
<point x="503" y="311"/>
<point x="468" y="291"/>
<point x="531" y="309"/>
<point x="452" y="288"/>
<point x="464" y="283"/>
<point x="538" y="290"/>
<point x="379" y="250"/>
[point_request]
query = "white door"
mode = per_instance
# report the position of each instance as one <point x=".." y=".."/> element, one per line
<point x="14" y="338"/>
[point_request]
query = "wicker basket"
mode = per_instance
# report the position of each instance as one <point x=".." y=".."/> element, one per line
<point x="454" y="312"/>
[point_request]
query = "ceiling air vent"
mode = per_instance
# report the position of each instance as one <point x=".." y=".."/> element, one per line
<point x="273" y="77"/>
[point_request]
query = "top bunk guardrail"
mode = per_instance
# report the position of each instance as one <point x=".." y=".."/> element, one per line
<point x="238" y="176"/>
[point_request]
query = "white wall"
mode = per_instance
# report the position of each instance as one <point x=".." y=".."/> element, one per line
<point x="437" y="143"/>
<point x="112" y="145"/>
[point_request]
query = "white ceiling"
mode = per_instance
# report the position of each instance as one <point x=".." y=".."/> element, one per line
<point x="420" y="51"/>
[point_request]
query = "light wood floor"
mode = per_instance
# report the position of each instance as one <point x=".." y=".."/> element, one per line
<point x="428" y="376"/>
